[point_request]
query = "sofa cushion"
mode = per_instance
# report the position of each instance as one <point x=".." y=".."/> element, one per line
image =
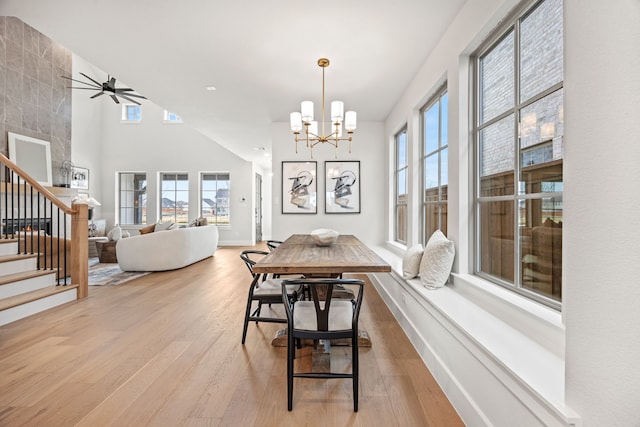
<point x="148" y="229"/>
<point x="161" y="226"/>
<point x="199" y="222"/>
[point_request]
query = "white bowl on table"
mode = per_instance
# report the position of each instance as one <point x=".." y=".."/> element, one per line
<point x="324" y="236"/>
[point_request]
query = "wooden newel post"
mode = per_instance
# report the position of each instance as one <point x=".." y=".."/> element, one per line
<point x="80" y="248"/>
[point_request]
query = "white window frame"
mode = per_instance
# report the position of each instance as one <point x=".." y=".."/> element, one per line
<point x="171" y="118"/>
<point x="161" y="176"/>
<point x="440" y="202"/>
<point x="120" y="218"/>
<point x="125" y="113"/>
<point x="510" y="25"/>
<point x="201" y="202"/>
<point x="397" y="170"/>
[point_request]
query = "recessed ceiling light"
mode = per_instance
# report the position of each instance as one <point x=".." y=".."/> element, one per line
<point x="210" y="88"/>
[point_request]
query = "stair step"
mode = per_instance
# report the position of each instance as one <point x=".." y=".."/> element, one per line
<point x="8" y="246"/>
<point x="19" y="283"/>
<point x="23" y="305"/>
<point x="34" y="295"/>
<point x="10" y="264"/>
<point x="13" y="257"/>
<point x="25" y="275"/>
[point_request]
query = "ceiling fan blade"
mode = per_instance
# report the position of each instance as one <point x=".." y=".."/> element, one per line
<point x="128" y="99"/>
<point x="80" y="81"/>
<point x="124" y="89"/>
<point x="99" y="84"/>
<point x="97" y="95"/>
<point x="114" y="99"/>
<point x="134" y="95"/>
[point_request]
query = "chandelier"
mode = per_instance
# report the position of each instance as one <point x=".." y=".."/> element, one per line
<point x="339" y="120"/>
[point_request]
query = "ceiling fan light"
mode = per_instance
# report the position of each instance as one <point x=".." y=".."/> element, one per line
<point x="350" y="120"/>
<point x="296" y="121"/>
<point x="306" y="108"/>
<point x="337" y="111"/>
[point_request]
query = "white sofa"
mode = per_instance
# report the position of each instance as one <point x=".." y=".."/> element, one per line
<point x="167" y="250"/>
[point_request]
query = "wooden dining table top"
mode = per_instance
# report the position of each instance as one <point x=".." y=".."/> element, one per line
<point x="300" y="254"/>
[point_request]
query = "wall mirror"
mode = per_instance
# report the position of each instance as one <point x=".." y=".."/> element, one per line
<point x="32" y="155"/>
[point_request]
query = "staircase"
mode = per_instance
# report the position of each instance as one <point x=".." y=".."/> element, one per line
<point x="24" y="289"/>
<point x="32" y="218"/>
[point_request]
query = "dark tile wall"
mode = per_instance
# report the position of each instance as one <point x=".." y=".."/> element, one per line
<point x="34" y="99"/>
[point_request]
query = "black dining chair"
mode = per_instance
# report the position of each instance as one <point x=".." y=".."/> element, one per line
<point x="273" y="244"/>
<point x="323" y="318"/>
<point x="263" y="290"/>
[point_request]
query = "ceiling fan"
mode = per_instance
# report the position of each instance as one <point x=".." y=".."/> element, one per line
<point x="108" y="88"/>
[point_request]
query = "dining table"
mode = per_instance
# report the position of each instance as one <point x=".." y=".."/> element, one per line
<point x="300" y="254"/>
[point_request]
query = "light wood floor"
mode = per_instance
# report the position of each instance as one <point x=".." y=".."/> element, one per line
<point x="165" y="350"/>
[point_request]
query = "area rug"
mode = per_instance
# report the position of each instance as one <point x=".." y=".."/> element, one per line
<point x="110" y="274"/>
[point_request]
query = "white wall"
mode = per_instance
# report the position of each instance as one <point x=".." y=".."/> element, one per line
<point x="367" y="147"/>
<point x="601" y="205"/>
<point x="103" y="144"/>
<point x="86" y="130"/>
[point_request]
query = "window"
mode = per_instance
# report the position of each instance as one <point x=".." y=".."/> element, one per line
<point x="131" y="113"/>
<point x="401" y="187"/>
<point x="174" y="200"/>
<point x="170" y="117"/>
<point x="434" y="165"/>
<point x="133" y="198"/>
<point x="519" y="151"/>
<point x="214" y="201"/>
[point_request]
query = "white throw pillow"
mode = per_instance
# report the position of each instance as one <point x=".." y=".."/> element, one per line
<point x="437" y="261"/>
<point x="411" y="261"/>
<point x="161" y="226"/>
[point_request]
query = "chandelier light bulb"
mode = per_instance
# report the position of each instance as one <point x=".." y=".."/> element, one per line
<point x="337" y="111"/>
<point x="306" y="108"/>
<point x="296" y="122"/>
<point x="350" y="121"/>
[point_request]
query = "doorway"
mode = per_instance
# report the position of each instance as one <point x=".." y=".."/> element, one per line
<point x="258" y="208"/>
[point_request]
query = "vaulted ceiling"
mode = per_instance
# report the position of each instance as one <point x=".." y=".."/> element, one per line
<point x="259" y="54"/>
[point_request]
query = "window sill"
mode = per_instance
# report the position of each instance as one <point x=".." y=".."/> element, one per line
<point x="515" y="337"/>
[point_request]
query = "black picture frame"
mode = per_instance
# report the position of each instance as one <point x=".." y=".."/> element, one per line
<point x="299" y="187"/>
<point x="342" y="187"/>
<point x="79" y="178"/>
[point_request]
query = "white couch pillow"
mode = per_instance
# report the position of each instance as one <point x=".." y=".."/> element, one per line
<point x="411" y="261"/>
<point x="161" y="226"/>
<point x="437" y="261"/>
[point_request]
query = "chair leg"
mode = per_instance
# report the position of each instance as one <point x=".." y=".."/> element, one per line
<point x="354" y="370"/>
<point x="246" y="321"/>
<point x="291" y="351"/>
<point x="258" y="310"/>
